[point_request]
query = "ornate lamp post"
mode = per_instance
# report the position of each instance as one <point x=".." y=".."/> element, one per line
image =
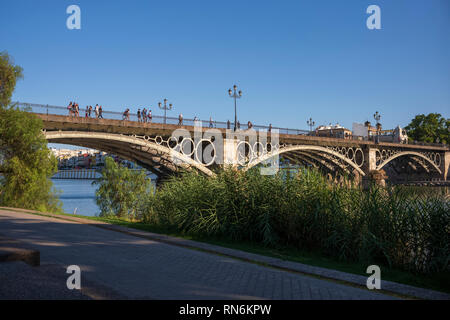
<point x="310" y="123"/>
<point x="377" y="117"/>
<point x="235" y="95"/>
<point x="165" y="107"/>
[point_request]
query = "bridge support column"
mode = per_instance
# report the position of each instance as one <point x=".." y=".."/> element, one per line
<point x="230" y="157"/>
<point x="372" y="176"/>
<point x="446" y="170"/>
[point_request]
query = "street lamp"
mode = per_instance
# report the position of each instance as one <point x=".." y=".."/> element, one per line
<point x="377" y="117"/>
<point x="165" y="107"/>
<point x="310" y="123"/>
<point x="235" y="95"/>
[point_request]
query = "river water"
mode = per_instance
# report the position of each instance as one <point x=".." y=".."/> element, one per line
<point x="77" y="195"/>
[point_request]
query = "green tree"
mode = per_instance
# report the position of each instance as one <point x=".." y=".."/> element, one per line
<point x="122" y="192"/>
<point x="428" y="128"/>
<point x="25" y="161"/>
<point x="9" y="74"/>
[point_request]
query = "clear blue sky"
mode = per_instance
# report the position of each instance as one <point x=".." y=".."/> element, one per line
<point x="292" y="59"/>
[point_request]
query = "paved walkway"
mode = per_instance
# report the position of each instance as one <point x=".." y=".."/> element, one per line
<point x="124" y="266"/>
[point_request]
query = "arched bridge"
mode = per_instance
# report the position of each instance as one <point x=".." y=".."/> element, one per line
<point x="165" y="145"/>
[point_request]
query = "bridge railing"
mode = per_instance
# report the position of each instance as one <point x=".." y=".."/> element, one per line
<point x="112" y="115"/>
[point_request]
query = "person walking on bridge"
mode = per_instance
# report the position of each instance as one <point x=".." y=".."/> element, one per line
<point x="100" y="112"/>
<point x="69" y="108"/>
<point x="126" y="114"/>
<point x="139" y="115"/>
<point x="144" y="115"/>
<point x="180" y="120"/>
<point x="96" y="111"/>
<point x="149" y="116"/>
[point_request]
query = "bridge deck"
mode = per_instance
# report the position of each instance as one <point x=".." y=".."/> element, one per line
<point x="70" y="123"/>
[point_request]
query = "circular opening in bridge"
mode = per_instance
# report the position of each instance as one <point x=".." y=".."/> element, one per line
<point x="172" y="143"/>
<point x="258" y="149"/>
<point x="243" y="152"/>
<point x="158" y="139"/>
<point x="383" y="155"/>
<point x="359" y="157"/>
<point x="350" y="153"/>
<point x="377" y="158"/>
<point x="437" y="160"/>
<point x="205" y="152"/>
<point x="187" y="147"/>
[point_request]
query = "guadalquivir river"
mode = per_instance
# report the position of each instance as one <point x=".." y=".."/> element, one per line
<point x="77" y="195"/>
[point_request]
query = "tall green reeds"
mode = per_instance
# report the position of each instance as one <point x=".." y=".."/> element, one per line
<point x="383" y="225"/>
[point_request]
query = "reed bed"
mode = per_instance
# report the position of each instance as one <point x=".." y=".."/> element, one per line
<point x="393" y="226"/>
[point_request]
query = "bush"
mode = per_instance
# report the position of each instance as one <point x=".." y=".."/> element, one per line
<point x="122" y="192"/>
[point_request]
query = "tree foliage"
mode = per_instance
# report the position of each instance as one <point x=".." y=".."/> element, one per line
<point x="25" y="161"/>
<point x="9" y="74"/>
<point x="122" y="192"/>
<point x="429" y="128"/>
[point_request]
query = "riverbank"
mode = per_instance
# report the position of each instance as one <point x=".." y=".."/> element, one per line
<point x="439" y="282"/>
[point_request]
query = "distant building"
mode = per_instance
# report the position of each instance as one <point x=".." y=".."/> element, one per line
<point x="367" y="131"/>
<point x="336" y="131"/>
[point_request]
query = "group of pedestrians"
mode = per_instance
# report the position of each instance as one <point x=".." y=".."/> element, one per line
<point x="143" y="116"/>
<point x="74" y="110"/>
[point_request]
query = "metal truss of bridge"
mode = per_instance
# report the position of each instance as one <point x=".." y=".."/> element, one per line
<point x="164" y="148"/>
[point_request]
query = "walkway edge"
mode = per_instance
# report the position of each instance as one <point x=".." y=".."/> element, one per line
<point x="358" y="280"/>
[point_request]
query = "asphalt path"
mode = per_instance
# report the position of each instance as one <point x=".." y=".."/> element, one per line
<point x="115" y="265"/>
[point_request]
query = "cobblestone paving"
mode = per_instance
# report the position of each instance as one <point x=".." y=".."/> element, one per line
<point x="144" y="269"/>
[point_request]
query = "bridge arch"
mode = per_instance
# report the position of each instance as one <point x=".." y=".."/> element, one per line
<point x="317" y="151"/>
<point x="409" y="153"/>
<point x="129" y="147"/>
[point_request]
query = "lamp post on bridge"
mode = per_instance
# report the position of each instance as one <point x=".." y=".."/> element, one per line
<point x="377" y="117"/>
<point x="311" y="124"/>
<point x="165" y="107"/>
<point x="235" y="95"/>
